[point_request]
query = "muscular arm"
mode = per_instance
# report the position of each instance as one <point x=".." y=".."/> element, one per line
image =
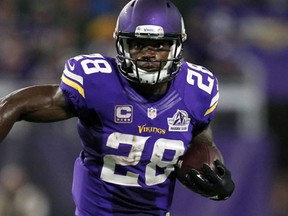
<point x="204" y="137"/>
<point x="44" y="103"/>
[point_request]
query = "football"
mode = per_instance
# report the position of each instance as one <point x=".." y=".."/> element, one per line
<point x="195" y="156"/>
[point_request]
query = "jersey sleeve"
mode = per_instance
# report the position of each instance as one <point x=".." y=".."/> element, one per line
<point x="203" y="95"/>
<point x="213" y="100"/>
<point x="72" y="84"/>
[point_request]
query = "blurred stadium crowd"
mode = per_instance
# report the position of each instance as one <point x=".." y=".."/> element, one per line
<point x="245" y="43"/>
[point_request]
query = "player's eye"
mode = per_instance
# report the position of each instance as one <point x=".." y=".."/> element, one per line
<point x="162" y="46"/>
<point x="156" y="46"/>
<point x="136" y="45"/>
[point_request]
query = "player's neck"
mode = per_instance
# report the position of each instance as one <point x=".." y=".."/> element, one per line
<point x="151" y="92"/>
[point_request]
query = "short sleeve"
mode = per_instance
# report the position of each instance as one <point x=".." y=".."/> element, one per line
<point x="72" y="84"/>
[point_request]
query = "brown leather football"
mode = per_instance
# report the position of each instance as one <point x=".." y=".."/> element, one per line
<point x="196" y="155"/>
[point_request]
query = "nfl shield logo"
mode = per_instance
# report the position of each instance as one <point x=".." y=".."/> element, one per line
<point x="152" y="113"/>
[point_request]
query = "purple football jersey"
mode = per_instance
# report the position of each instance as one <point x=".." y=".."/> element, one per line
<point x="130" y="145"/>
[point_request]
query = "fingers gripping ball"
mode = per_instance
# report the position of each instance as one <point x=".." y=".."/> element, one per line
<point x="202" y="170"/>
<point x="197" y="155"/>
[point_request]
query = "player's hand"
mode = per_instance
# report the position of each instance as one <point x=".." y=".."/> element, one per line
<point x="216" y="186"/>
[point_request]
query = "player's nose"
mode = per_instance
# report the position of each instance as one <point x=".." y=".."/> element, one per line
<point x="148" y="52"/>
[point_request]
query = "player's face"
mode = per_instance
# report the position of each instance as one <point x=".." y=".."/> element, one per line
<point x="150" y="54"/>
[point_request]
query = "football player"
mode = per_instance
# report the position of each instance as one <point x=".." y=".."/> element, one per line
<point x="137" y="112"/>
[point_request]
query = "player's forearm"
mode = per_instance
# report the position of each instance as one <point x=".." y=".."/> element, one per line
<point x="204" y="137"/>
<point x="9" y="114"/>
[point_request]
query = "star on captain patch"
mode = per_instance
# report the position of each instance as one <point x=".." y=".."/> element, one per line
<point x="152" y="112"/>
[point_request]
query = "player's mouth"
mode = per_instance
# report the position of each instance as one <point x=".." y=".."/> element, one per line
<point x="149" y="66"/>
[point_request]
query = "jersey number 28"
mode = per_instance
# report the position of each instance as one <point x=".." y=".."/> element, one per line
<point x="137" y="144"/>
